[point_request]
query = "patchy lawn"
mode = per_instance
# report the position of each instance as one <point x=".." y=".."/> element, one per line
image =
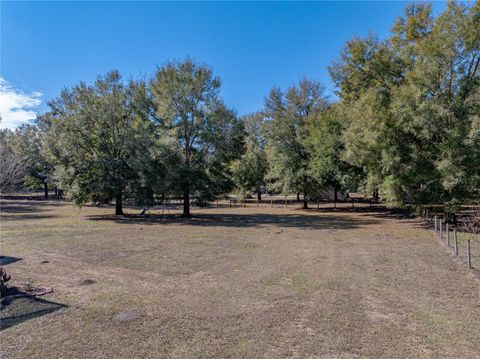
<point x="233" y="282"/>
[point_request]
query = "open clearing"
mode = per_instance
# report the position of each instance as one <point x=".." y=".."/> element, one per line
<point x="235" y="282"/>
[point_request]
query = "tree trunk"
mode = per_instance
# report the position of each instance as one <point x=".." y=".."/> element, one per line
<point x="118" y="205"/>
<point x="259" y="196"/>
<point x="305" y="203"/>
<point x="45" y="188"/>
<point x="335" y="193"/>
<point x="186" y="202"/>
<point x="298" y="197"/>
<point x="56" y="191"/>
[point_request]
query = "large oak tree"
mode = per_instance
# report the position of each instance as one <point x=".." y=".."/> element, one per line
<point x="207" y="133"/>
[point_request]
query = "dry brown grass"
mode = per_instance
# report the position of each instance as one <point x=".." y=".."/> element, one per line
<point x="236" y="282"/>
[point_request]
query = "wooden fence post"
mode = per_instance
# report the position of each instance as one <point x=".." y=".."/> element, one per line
<point x="456" y="241"/>
<point x="469" y="255"/>
<point x="271" y="202"/>
<point x="436" y="224"/>
<point x="441" y="230"/>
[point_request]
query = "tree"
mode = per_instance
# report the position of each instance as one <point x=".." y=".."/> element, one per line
<point x="12" y="167"/>
<point x="288" y="151"/>
<point x="327" y="164"/>
<point x="250" y="169"/>
<point x="411" y="106"/>
<point x="186" y="97"/>
<point x="28" y="144"/>
<point x="101" y="140"/>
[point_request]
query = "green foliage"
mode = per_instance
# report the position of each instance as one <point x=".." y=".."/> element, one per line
<point x="100" y="140"/>
<point x="327" y="164"/>
<point x="28" y="142"/>
<point x="411" y="106"/>
<point x="407" y="123"/>
<point x="249" y="171"/>
<point x="207" y="134"/>
<point x="288" y="151"/>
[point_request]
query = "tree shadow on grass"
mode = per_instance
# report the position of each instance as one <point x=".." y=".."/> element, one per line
<point x="18" y="307"/>
<point x="6" y="260"/>
<point x="28" y="217"/>
<point x="301" y="221"/>
<point x="24" y="210"/>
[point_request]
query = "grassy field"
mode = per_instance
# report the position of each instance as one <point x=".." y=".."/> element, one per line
<point x="233" y="282"/>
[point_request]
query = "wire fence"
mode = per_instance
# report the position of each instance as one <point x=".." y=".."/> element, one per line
<point x="464" y="245"/>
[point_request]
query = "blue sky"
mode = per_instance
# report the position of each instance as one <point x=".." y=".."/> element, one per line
<point x="252" y="46"/>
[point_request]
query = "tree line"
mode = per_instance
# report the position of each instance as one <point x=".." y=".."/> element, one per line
<point x="406" y="123"/>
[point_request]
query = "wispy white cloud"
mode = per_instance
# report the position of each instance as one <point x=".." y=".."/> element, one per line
<point x="16" y="106"/>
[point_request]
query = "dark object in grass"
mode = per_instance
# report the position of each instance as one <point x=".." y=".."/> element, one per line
<point x="4" y="278"/>
<point x="44" y="262"/>
<point x="87" y="282"/>
<point x="30" y="289"/>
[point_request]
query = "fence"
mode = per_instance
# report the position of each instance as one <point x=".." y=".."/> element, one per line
<point x="465" y="246"/>
<point x="277" y="201"/>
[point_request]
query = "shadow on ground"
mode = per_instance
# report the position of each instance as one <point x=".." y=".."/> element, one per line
<point x="25" y="210"/>
<point x="301" y="220"/>
<point x="6" y="260"/>
<point x="18" y="307"/>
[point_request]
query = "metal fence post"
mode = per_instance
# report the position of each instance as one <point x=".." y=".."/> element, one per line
<point x="456" y="241"/>
<point x="441" y="230"/>
<point x="448" y="235"/>
<point x="469" y="255"/>
<point x="436" y="224"/>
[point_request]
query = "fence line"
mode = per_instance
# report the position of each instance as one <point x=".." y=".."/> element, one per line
<point x="464" y="252"/>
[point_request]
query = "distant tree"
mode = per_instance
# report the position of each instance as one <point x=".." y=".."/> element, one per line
<point x="29" y="143"/>
<point x="101" y="139"/>
<point x="13" y="168"/>
<point x="327" y="164"/>
<point x="249" y="171"/>
<point x="208" y="134"/>
<point x="287" y="150"/>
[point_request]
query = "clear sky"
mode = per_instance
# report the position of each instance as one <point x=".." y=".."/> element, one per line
<point x="252" y="46"/>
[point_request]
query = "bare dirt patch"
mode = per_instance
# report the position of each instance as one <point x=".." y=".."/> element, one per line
<point x="236" y="282"/>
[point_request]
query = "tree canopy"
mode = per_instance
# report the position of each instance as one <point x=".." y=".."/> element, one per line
<point x="100" y="140"/>
<point x="411" y="104"/>
<point x="405" y="124"/>
<point x="206" y="132"/>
